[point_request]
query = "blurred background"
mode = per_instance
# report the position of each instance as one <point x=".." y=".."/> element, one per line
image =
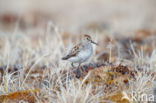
<point x="36" y="34"/>
<point x="79" y="15"/>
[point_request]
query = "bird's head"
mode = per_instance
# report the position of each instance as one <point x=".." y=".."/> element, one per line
<point x="87" y="38"/>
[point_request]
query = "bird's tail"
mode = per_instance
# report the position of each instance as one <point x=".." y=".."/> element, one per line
<point x="65" y="58"/>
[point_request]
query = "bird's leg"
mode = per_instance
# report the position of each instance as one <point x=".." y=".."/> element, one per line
<point x="72" y="64"/>
<point x="79" y="65"/>
<point x="78" y="71"/>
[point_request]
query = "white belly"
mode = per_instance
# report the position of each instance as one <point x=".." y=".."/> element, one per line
<point x="82" y="56"/>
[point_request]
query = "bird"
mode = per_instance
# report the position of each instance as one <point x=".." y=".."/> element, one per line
<point x="81" y="52"/>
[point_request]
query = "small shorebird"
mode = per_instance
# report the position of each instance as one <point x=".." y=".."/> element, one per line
<point x="81" y="52"/>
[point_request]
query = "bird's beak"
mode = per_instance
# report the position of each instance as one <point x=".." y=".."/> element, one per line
<point x="94" y="42"/>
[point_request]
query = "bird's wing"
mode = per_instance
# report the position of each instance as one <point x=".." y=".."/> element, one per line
<point x="73" y="52"/>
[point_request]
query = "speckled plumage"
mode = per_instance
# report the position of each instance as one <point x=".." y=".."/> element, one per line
<point x="82" y="51"/>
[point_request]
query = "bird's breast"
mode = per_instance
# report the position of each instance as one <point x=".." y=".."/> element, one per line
<point x="86" y="53"/>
